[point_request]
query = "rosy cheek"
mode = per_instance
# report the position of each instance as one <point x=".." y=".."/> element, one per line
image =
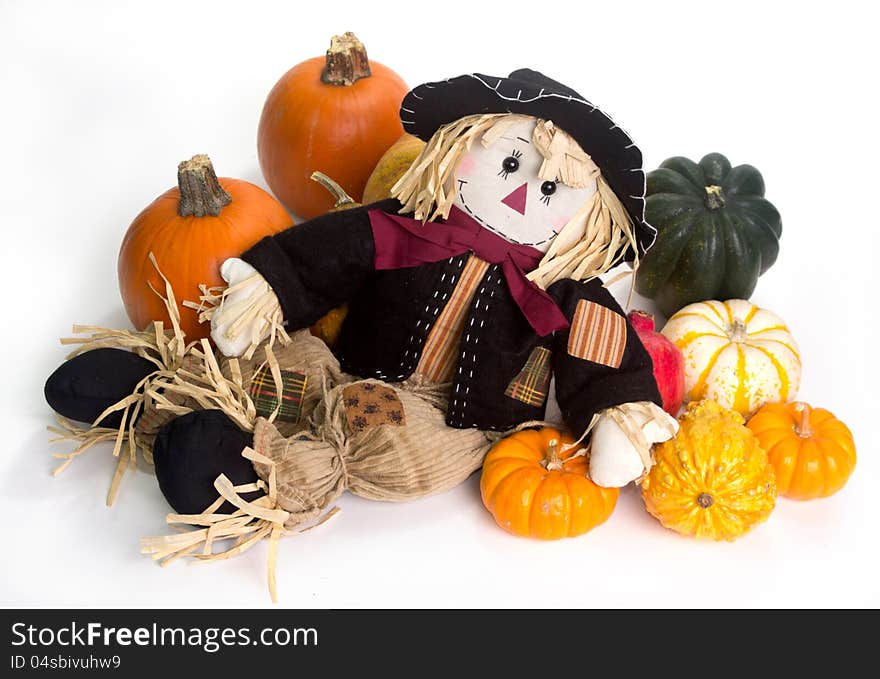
<point x="560" y="222"/>
<point x="466" y="166"/>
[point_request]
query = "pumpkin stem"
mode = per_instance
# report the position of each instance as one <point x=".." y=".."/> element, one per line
<point x="346" y="61"/>
<point x="552" y="461"/>
<point x="200" y="191"/>
<point x="803" y="428"/>
<point x="737" y="331"/>
<point x="715" y="199"/>
<point x="342" y="198"/>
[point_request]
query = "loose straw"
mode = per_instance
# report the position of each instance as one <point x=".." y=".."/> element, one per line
<point x="165" y="348"/>
<point x="249" y="523"/>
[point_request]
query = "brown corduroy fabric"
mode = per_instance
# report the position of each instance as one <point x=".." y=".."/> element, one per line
<point x="392" y="463"/>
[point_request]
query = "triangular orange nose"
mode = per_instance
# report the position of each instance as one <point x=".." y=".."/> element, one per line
<point x="516" y="200"/>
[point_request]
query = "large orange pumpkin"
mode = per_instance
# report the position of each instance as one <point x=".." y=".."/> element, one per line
<point x="336" y="114"/>
<point x="191" y="229"/>
<point x="812" y="451"/>
<point x="535" y="487"/>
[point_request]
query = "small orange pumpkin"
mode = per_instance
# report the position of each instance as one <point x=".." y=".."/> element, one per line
<point x="191" y="229"/>
<point x="534" y="486"/>
<point x="336" y="114"/>
<point x="812" y="451"/>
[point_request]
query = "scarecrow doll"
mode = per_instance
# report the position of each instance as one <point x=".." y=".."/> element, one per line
<point x="467" y="291"/>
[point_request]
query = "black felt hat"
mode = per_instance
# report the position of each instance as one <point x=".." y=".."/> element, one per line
<point x="429" y="106"/>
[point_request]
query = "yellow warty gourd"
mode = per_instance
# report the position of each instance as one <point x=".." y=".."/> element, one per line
<point x="712" y="480"/>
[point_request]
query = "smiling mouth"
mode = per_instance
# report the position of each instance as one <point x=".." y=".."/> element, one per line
<point x="461" y="183"/>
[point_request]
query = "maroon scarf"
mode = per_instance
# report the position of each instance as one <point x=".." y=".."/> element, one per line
<point x="404" y="242"/>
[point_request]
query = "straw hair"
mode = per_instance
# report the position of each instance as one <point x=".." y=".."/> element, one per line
<point x="593" y="241"/>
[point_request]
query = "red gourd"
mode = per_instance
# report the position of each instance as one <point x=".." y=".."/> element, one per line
<point x="667" y="358"/>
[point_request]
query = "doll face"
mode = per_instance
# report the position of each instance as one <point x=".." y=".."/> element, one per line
<point x="499" y="186"/>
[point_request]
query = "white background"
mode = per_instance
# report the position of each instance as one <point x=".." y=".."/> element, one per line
<point x="98" y="103"/>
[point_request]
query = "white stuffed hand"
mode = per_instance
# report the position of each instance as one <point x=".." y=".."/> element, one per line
<point x="244" y="317"/>
<point x="622" y="439"/>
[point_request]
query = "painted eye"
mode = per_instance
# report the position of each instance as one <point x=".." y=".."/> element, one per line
<point x="510" y="164"/>
<point x="548" y="188"/>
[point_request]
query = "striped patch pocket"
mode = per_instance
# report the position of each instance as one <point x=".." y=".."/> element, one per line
<point x="597" y="334"/>
<point x="532" y="382"/>
<point x="264" y="394"/>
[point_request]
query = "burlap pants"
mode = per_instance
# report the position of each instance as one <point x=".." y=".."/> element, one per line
<point x="332" y="432"/>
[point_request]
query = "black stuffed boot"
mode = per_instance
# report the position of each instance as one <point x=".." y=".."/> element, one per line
<point x="192" y="450"/>
<point x="189" y="452"/>
<point x="86" y="385"/>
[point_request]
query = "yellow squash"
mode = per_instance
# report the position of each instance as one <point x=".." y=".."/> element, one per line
<point x="392" y="166"/>
<point x="712" y="480"/>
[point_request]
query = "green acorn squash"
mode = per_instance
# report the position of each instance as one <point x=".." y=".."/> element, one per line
<point x="716" y="233"/>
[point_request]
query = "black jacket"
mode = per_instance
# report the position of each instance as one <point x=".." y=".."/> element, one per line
<point x="317" y="265"/>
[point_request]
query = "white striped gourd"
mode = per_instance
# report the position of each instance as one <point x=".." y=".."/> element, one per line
<point x="735" y="353"/>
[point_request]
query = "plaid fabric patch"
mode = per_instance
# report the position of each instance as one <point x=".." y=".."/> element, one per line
<point x="265" y="394"/>
<point x="531" y="384"/>
<point x="369" y="405"/>
<point x="597" y="334"/>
